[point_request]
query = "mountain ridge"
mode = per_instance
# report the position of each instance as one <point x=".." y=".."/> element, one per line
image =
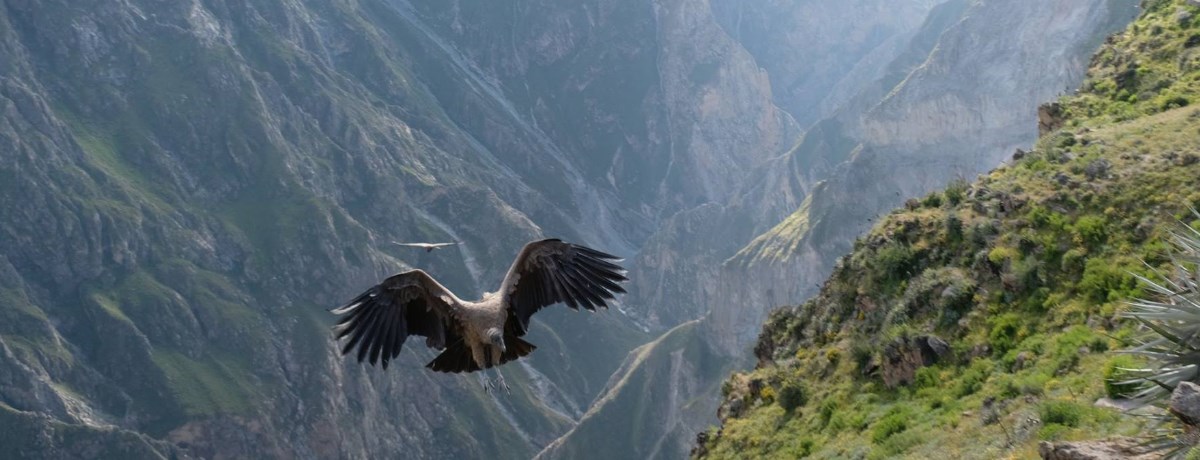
<point x="187" y="187"/>
<point x="732" y="296"/>
<point x="972" y="322"/>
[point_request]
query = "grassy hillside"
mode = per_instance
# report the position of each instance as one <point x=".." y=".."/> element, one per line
<point x="973" y="322"/>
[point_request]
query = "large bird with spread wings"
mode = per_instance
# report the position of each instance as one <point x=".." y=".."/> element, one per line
<point x="482" y="334"/>
<point x="428" y="247"/>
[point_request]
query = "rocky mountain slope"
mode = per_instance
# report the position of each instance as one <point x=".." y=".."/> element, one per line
<point x="962" y="111"/>
<point x="807" y="205"/>
<point x="970" y="322"/>
<point x="186" y="187"/>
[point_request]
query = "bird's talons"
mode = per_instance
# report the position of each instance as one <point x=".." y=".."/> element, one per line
<point x="502" y="384"/>
<point x="492" y="384"/>
<point x="487" y="384"/>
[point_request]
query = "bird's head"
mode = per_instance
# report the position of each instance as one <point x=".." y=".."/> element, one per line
<point x="496" y="338"/>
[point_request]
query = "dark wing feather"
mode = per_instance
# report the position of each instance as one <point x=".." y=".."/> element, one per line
<point x="551" y="271"/>
<point x="379" y="320"/>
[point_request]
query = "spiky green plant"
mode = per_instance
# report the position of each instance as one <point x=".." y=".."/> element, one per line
<point x="1172" y="346"/>
<point x="1173" y="317"/>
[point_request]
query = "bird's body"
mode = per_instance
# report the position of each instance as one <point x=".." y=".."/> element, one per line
<point x="477" y="316"/>
<point x="477" y="335"/>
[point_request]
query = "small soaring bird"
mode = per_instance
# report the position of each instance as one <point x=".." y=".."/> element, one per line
<point x="428" y="247"/>
<point x="482" y="334"/>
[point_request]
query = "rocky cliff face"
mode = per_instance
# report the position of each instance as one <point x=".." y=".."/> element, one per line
<point x="820" y="54"/>
<point x="815" y="54"/>
<point x="968" y="322"/>
<point x="654" y="99"/>
<point x="186" y="187"/>
<point x="964" y="109"/>
<point x="808" y="205"/>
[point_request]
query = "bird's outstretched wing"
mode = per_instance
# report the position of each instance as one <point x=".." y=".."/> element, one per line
<point x="379" y="320"/>
<point x="551" y="271"/>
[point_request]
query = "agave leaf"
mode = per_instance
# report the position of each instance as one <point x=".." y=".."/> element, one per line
<point x="1161" y="330"/>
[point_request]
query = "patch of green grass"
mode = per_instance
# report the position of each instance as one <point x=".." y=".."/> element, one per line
<point x="271" y="218"/>
<point x="894" y="421"/>
<point x="1118" y="370"/>
<point x="111" y="307"/>
<point x="208" y="386"/>
<point x="781" y="241"/>
<point x="15" y="300"/>
<point x="1066" y="413"/>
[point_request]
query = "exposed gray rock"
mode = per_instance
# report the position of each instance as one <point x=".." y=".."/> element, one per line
<point x="1097" y="169"/>
<point x="1023" y="360"/>
<point x="1050" y="118"/>
<point x="1122" y="405"/>
<point x="990" y="411"/>
<point x="902" y="359"/>
<point x="1185" y="403"/>
<point x="1183" y="16"/>
<point x="1109" y="449"/>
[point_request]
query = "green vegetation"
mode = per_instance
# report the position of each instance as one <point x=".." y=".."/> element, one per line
<point x="208" y="386"/>
<point x="783" y="240"/>
<point x="1168" y="346"/>
<point x="792" y="394"/>
<point x="1024" y="274"/>
<point x="1117" y="374"/>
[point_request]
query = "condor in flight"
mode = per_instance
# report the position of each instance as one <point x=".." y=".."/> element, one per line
<point x="481" y="334"/>
<point x="428" y="247"/>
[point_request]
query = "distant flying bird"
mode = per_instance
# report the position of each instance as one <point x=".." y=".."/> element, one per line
<point x="482" y="334"/>
<point x="428" y="247"/>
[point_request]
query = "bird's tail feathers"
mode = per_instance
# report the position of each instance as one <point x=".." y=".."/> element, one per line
<point x="457" y="357"/>
<point x="454" y="359"/>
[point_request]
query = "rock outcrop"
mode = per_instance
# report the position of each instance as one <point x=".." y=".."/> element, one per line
<point x="1050" y="118"/>
<point x="902" y="358"/>
<point x="1185" y="403"/>
<point x="1114" y="449"/>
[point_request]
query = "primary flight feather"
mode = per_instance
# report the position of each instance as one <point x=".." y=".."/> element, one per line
<point x="481" y="334"/>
